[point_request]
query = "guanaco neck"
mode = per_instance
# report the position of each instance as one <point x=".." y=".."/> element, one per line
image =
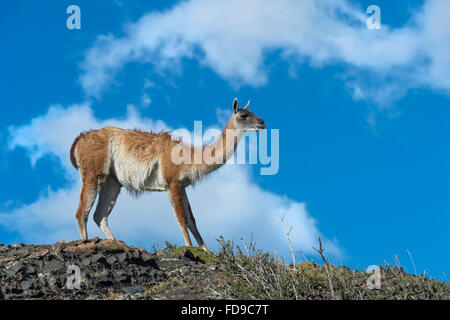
<point x="217" y="153"/>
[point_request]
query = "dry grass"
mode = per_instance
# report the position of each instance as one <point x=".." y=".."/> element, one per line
<point x="249" y="273"/>
<point x="254" y="274"/>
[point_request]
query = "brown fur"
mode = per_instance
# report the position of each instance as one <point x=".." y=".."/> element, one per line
<point x="72" y="151"/>
<point x="176" y="199"/>
<point x="92" y="155"/>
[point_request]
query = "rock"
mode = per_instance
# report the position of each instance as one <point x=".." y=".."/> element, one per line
<point x="4" y="248"/>
<point x="132" y="290"/>
<point x="149" y="259"/>
<point x="27" y="285"/>
<point x="55" y="282"/>
<point x="185" y="252"/>
<point x="86" y="261"/>
<point x="30" y="269"/>
<point x="111" y="260"/>
<point x="133" y="256"/>
<point x="57" y="247"/>
<point x="121" y="257"/>
<point x="212" y="267"/>
<point x="104" y="277"/>
<point x="96" y="239"/>
<point x="13" y="267"/>
<point x="112" y="246"/>
<point x="97" y="257"/>
<point x="9" y="259"/>
<point x="38" y="254"/>
<point x="122" y="275"/>
<point x="81" y="249"/>
<point x="109" y="269"/>
<point x="184" y="270"/>
<point x="52" y="266"/>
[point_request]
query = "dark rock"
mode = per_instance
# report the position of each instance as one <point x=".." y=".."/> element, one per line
<point x="132" y="290"/>
<point x="55" y="282"/>
<point x="13" y="268"/>
<point x="122" y="275"/>
<point x="27" y="285"/>
<point x="30" y="269"/>
<point x="103" y="277"/>
<point x="86" y="261"/>
<point x="108" y="269"/>
<point x="110" y="260"/>
<point x="186" y="253"/>
<point x="133" y="255"/>
<point x="149" y="259"/>
<point x="147" y="256"/>
<point x="52" y="266"/>
<point x="121" y="257"/>
<point x="4" y="248"/>
<point x="99" y="257"/>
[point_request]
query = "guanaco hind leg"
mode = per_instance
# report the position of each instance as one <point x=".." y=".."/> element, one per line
<point x="106" y="201"/>
<point x="87" y="198"/>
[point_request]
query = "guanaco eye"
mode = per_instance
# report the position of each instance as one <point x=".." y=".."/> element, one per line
<point x="244" y="116"/>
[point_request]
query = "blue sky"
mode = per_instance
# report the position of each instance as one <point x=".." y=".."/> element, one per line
<point x="363" y="115"/>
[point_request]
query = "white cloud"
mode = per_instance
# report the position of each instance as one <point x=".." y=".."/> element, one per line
<point x="145" y="100"/>
<point x="227" y="203"/>
<point x="54" y="132"/>
<point x="222" y="116"/>
<point x="234" y="36"/>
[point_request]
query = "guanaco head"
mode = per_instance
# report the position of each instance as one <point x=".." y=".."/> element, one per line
<point x="245" y="119"/>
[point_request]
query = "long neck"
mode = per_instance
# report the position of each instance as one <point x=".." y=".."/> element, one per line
<point x="217" y="153"/>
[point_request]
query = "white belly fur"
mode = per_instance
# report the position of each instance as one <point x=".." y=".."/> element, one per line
<point x="136" y="175"/>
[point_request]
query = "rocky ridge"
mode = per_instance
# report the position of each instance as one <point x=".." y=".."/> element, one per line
<point x="107" y="269"/>
<point x="110" y="269"/>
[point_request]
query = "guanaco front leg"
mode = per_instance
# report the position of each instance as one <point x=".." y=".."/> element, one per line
<point x="176" y="200"/>
<point x="191" y="221"/>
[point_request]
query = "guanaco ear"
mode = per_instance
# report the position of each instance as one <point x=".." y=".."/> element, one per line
<point x="235" y="105"/>
<point x="246" y="106"/>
